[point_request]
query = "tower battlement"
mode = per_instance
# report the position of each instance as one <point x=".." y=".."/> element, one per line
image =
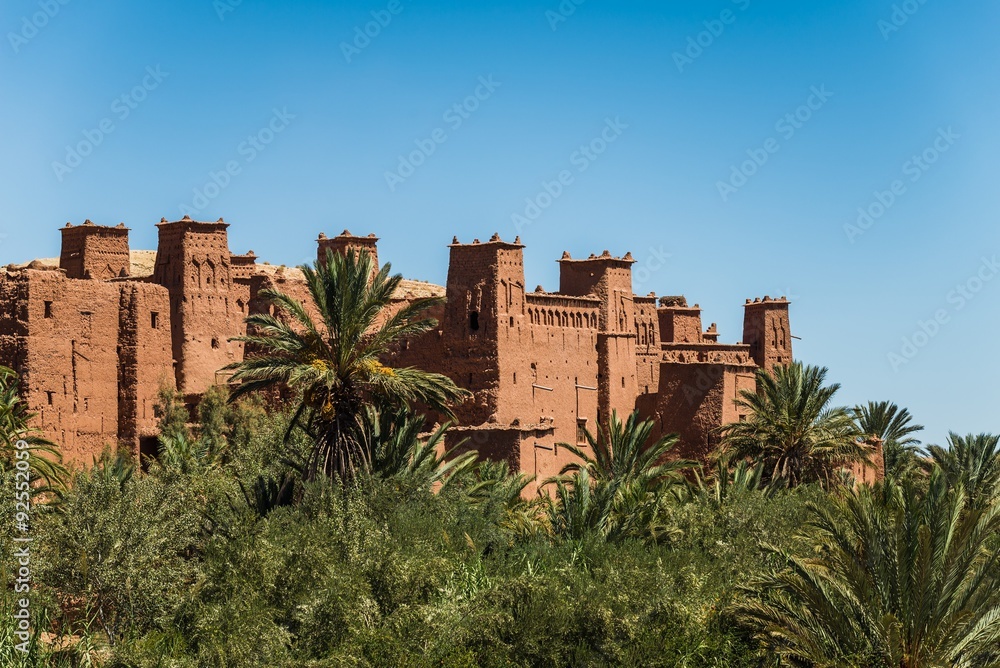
<point x="95" y="251"/>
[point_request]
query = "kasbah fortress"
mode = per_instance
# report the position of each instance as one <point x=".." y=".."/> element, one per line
<point x="96" y="335"/>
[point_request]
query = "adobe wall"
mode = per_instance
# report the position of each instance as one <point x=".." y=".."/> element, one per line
<point x="696" y="400"/>
<point x="66" y="338"/>
<point x="145" y="359"/>
<point x="531" y="449"/>
<point x="70" y="375"/>
<point x="13" y="320"/>
<point x="867" y="475"/>
<point x="549" y="368"/>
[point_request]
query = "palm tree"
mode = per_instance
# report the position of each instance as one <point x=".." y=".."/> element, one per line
<point x="730" y="483"/>
<point x="45" y="460"/>
<point x="886" y="422"/>
<point x="900" y="578"/>
<point x="400" y="449"/>
<point x="498" y="487"/>
<point x="619" y="485"/>
<point x="621" y="453"/>
<point x="186" y="455"/>
<point x="792" y="431"/>
<point x="973" y="462"/>
<point x="610" y="509"/>
<point x="336" y="363"/>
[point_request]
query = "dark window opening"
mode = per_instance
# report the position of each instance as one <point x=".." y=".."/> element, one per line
<point x="48" y="309"/>
<point x="511" y="321"/>
<point x="51" y="397"/>
<point x="623" y="381"/>
<point x="148" y="448"/>
<point x="474" y="321"/>
<point x="581" y="431"/>
<point x="215" y="343"/>
<point x="154" y="320"/>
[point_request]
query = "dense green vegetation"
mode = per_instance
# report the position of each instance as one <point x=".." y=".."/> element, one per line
<point x="330" y="529"/>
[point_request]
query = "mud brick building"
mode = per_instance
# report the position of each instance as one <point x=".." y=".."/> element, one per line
<point x="98" y="332"/>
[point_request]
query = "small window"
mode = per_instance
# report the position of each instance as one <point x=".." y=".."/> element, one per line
<point x="515" y="378"/>
<point x="474" y="321"/>
<point x="154" y="320"/>
<point x="48" y="309"/>
<point x="511" y="321"/>
<point x="623" y="381"/>
<point x="215" y="343"/>
<point x="51" y="397"/>
<point x="581" y="431"/>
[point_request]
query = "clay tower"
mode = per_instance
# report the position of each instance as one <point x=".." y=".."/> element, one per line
<point x="766" y="330"/>
<point x="95" y="251"/>
<point x="485" y="292"/>
<point x="610" y="280"/>
<point x="193" y="262"/>
<point x="344" y="242"/>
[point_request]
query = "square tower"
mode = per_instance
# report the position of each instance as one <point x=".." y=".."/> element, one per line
<point x="609" y="279"/>
<point x="344" y="242"/>
<point x="95" y="251"/>
<point x="679" y="323"/>
<point x="485" y="294"/>
<point x="194" y="263"/>
<point x="766" y="329"/>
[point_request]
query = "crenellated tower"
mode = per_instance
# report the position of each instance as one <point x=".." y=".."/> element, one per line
<point x="485" y="294"/>
<point x="193" y="262"/>
<point x="767" y="331"/>
<point x="345" y="242"/>
<point x="608" y="278"/>
<point x="95" y="251"/>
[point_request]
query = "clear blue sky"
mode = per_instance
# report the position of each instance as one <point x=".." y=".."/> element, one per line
<point x="680" y="123"/>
